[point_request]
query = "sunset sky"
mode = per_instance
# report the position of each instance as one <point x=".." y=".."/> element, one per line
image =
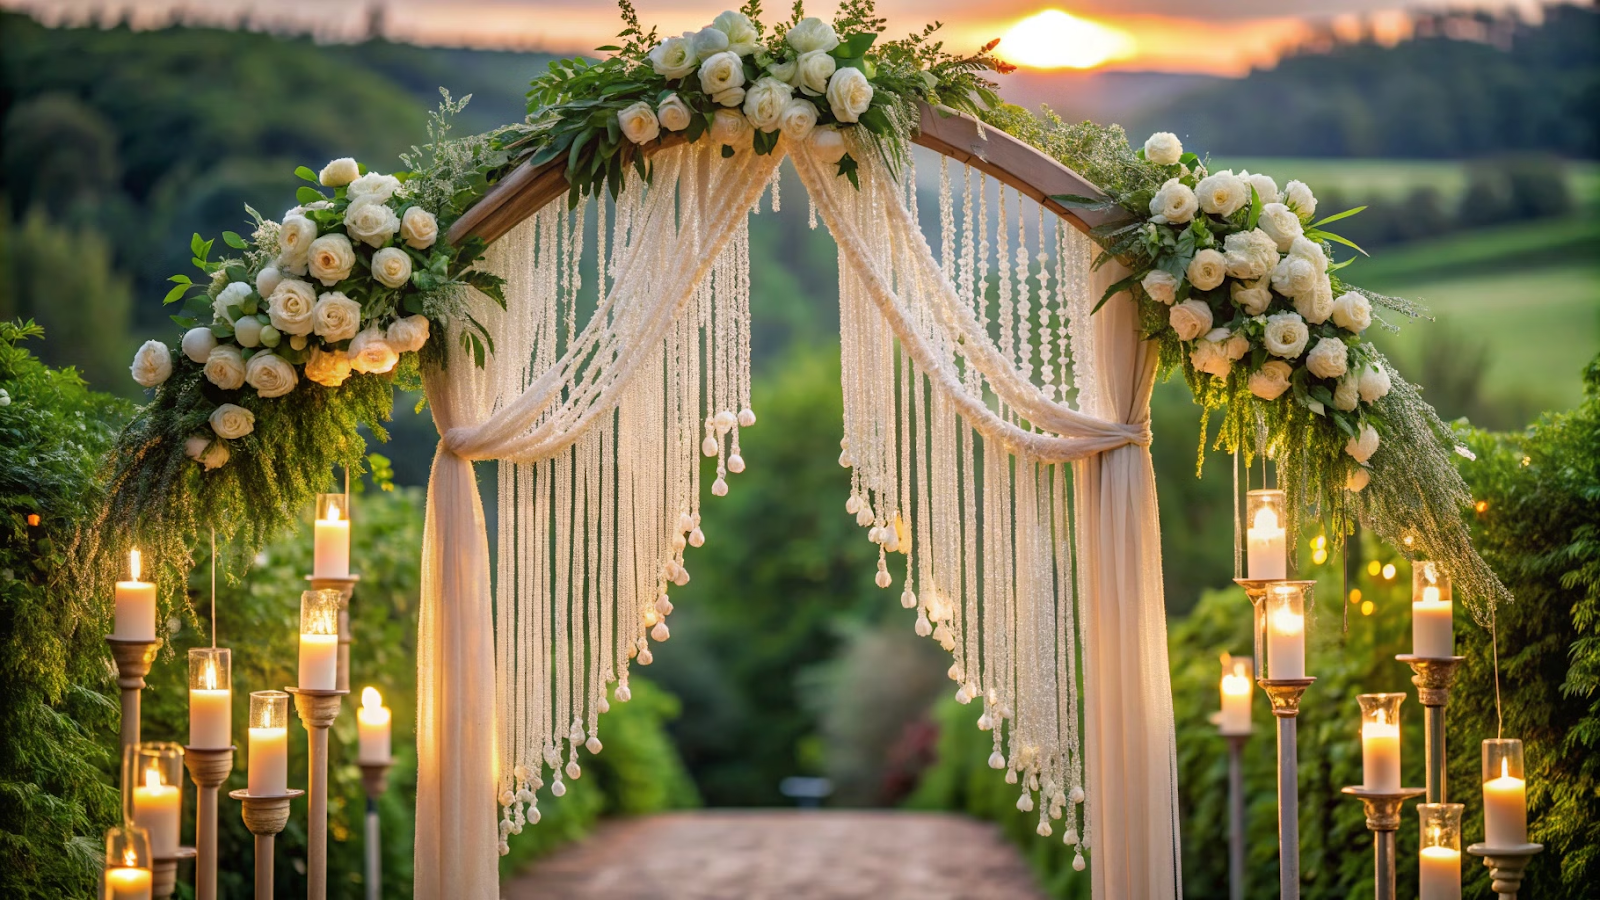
<point x="1228" y="37"/>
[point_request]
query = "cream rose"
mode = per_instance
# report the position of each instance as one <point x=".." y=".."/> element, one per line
<point x="730" y="127"/>
<point x="267" y="280"/>
<point x="1293" y="276"/>
<point x="1252" y="296"/>
<point x="209" y="453"/>
<point x="1281" y="224"/>
<point x="1286" y="335"/>
<point x="1266" y="188"/>
<point x="294" y="243"/>
<point x="1362" y="446"/>
<point x="849" y="94"/>
<point x="1352" y="312"/>
<point x="1271" y="380"/>
<point x="1299" y="198"/>
<point x="225" y="367"/>
<point x="812" y="33"/>
<point x="1160" y="285"/>
<point x="1251" y="254"/>
<point x="673" y="113"/>
<point x="289" y="307"/>
<point x="673" y="58"/>
<point x="408" y="334"/>
<point x="339" y="172"/>
<point x="232" y="422"/>
<point x="1222" y="194"/>
<point x="270" y="374"/>
<point x="828" y="144"/>
<point x="784" y="71"/>
<point x="198" y="343"/>
<point x="152" y="364"/>
<point x="639" y="123"/>
<point x="1358" y="479"/>
<point x="1235" y="344"/>
<point x="731" y="97"/>
<point x="1346" y="394"/>
<point x="231" y="295"/>
<point x="327" y="367"/>
<point x="1174" y="203"/>
<point x="391" y="266"/>
<point x="1207" y="269"/>
<point x="1163" y="148"/>
<point x="247" y="331"/>
<point x="1316" y="304"/>
<point x="1329" y="358"/>
<point x="1373" y="383"/>
<point x="335" y="317"/>
<point x="743" y="38"/>
<point x="1208" y="358"/>
<point x="799" y="117"/>
<point x="372" y="187"/>
<point x="813" y="70"/>
<point x="1190" y="319"/>
<point x="332" y="259"/>
<point x="1304" y="248"/>
<point x="720" y="72"/>
<point x="708" y="41"/>
<point x="419" y="228"/>
<point x="371" y="222"/>
<point x="370" y="352"/>
<point x="765" y="102"/>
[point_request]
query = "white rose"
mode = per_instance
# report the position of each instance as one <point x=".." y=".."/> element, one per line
<point x="1209" y="356"/>
<point x="339" y="172"/>
<point x="247" y="331"/>
<point x="784" y="71"/>
<point x="152" y="364"/>
<point x="731" y="128"/>
<point x="799" y="117"/>
<point x="267" y="280"/>
<point x="730" y="97"/>
<point x="1266" y="188"/>
<point x="1163" y="148"/>
<point x="1251" y="254"/>
<point x="335" y="317"/>
<point x="372" y="187"/>
<point x="639" y="123"/>
<point x="371" y="222"/>
<point x="1304" y="248"/>
<point x="1252" y="296"/>
<point x="210" y="454"/>
<point x="1190" y="319"/>
<point x="708" y="42"/>
<point x="1363" y="445"/>
<point x="1374" y="383"/>
<point x="1352" y="312"/>
<point x="828" y="144"/>
<point x="673" y="113"/>
<point x="720" y="72"/>
<point x="1358" y="479"/>
<point x="810" y="34"/>
<point x="419" y="228"/>
<point x="1281" y="224"/>
<point x="327" y="367"/>
<point x="391" y="266"/>
<point x="232" y="295"/>
<point x="849" y="94"/>
<point x="765" y="102"/>
<point x="1316" y="304"/>
<point x="289" y="307"/>
<point x="1294" y="276"/>
<point x="332" y="258"/>
<point x="270" y="374"/>
<point x="1222" y="194"/>
<point x="743" y="38"/>
<point x="198" y="343"/>
<point x="1299" y="198"/>
<point x="232" y="422"/>
<point x="1271" y="380"/>
<point x="1329" y="358"/>
<point x="1161" y="286"/>
<point x="1286" y="335"/>
<point x="1207" y="269"/>
<point x="225" y="367"/>
<point x="408" y="334"/>
<point x="370" y="352"/>
<point x="1174" y="203"/>
<point x="813" y="70"/>
<point x="673" y="58"/>
<point x="1346" y="394"/>
<point x="294" y="243"/>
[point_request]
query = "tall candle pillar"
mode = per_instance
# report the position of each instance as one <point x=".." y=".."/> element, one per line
<point x="1267" y="540"/>
<point x="1505" y="795"/>
<point x="319" y="640"/>
<point x="1432" y="629"/>
<point x="331" y="537"/>
<point x="372" y="724"/>
<point x="210" y="697"/>
<point x="1235" y="688"/>
<point x="1286" y="631"/>
<point x="135" y="605"/>
<point x="269" y="743"/>
<point x="1380" y="741"/>
<point x="1439" y="860"/>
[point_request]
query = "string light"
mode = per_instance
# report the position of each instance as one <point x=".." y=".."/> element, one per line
<point x="1388" y="572"/>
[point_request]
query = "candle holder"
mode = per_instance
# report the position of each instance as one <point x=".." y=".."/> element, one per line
<point x="1266" y="516"/>
<point x="265" y="815"/>
<point x="133" y="664"/>
<point x="1433" y="677"/>
<point x="1439" y="856"/>
<point x="1236" y="821"/>
<point x="346" y="587"/>
<point x="317" y="709"/>
<point x="209" y="768"/>
<point x="127" y="871"/>
<point x="1285" y="695"/>
<point x="164" y="872"/>
<point x="375" y="778"/>
<point x="152" y="795"/>
<point x="1506" y="865"/>
<point x="1383" y="820"/>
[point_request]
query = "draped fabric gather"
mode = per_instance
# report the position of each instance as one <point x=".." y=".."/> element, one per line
<point x="997" y="436"/>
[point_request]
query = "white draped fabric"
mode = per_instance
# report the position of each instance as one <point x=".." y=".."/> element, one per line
<point x="1026" y="523"/>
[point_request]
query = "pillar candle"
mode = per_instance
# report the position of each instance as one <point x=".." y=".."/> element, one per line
<point x="1505" y="810"/>
<point x="1268" y="554"/>
<point x="1439" y="874"/>
<point x="1380" y="755"/>
<point x="269" y="761"/>
<point x="372" y="720"/>
<point x="136" y="606"/>
<point x="210" y="718"/>
<point x="128" y="884"/>
<point x="157" y="809"/>
<point x="319" y="661"/>
<point x="1432" y="634"/>
<point x="331" y="547"/>
<point x="1235" y="701"/>
<point x="1286" y="643"/>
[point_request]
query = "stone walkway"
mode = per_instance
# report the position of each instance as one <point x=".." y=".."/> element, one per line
<point x="784" y="855"/>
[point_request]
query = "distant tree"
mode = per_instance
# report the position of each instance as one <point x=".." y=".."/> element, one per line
<point x="59" y="152"/>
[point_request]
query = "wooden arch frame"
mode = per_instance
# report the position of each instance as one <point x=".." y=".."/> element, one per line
<point x="529" y="188"/>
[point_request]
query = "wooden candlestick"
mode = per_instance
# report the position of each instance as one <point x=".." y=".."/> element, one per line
<point x="209" y="768"/>
<point x="317" y="710"/>
<point x="1506" y="865"/>
<point x="164" y="872"/>
<point x="375" y="778"/>
<point x="1383" y="820"/>
<point x="265" y="816"/>
<point x="346" y="587"/>
<point x="133" y="664"/>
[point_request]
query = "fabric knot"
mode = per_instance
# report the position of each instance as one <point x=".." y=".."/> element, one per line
<point x="1138" y="433"/>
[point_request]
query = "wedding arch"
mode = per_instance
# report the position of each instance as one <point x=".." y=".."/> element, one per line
<point x="996" y="398"/>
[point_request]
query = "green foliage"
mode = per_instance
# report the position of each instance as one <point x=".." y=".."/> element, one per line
<point x="56" y="713"/>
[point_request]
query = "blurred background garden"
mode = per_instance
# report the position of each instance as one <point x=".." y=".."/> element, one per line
<point x="1473" y="140"/>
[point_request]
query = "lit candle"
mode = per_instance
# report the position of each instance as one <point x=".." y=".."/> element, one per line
<point x="331" y="539"/>
<point x="269" y="743"/>
<point x="1380" y="753"/>
<point x="136" y="606"/>
<point x="1286" y="633"/>
<point x="1432" y="634"/>
<point x="1505" y="797"/>
<point x="319" y="640"/>
<point x="372" y="721"/>
<point x="1235" y="718"/>
<point x="124" y="883"/>
<point x="157" y="808"/>
<point x="1439" y="860"/>
<point x="210" y="698"/>
<point x="127" y="874"/>
<point x="1268" y="551"/>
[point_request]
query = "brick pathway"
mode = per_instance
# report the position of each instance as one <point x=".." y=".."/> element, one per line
<point x="784" y="855"/>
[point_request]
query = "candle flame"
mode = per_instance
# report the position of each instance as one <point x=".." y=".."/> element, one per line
<point x="1286" y="621"/>
<point x="129" y="858"/>
<point x="333" y="512"/>
<point x="1235" y="683"/>
<point x="152" y="777"/>
<point x="1505" y="767"/>
<point x="1266" y="520"/>
<point x="209" y="678"/>
<point x="370" y="698"/>
<point x="1382" y="718"/>
<point x="1430" y="594"/>
<point x="134" y="560"/>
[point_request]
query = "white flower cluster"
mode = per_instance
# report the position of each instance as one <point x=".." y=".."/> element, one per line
<point x="299" y="312"/>
<point x="1262" y="285"/>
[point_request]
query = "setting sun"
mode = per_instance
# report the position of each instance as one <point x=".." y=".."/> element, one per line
<point x="1053" y="39"/>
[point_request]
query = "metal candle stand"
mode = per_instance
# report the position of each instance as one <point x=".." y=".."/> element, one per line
<point x="265" y="816"/>
<point x="1383" y="820"/>
<point x="1236" y="869"/>
<point x="164" y="872"/>
<point x="317" y="710"/>
<point x="133" y="664"/>
<point x="1506" y="865"/>
<point x="209" y="768"/>
<point x="1433" y="678"/>
<point x="375" y="778"/>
